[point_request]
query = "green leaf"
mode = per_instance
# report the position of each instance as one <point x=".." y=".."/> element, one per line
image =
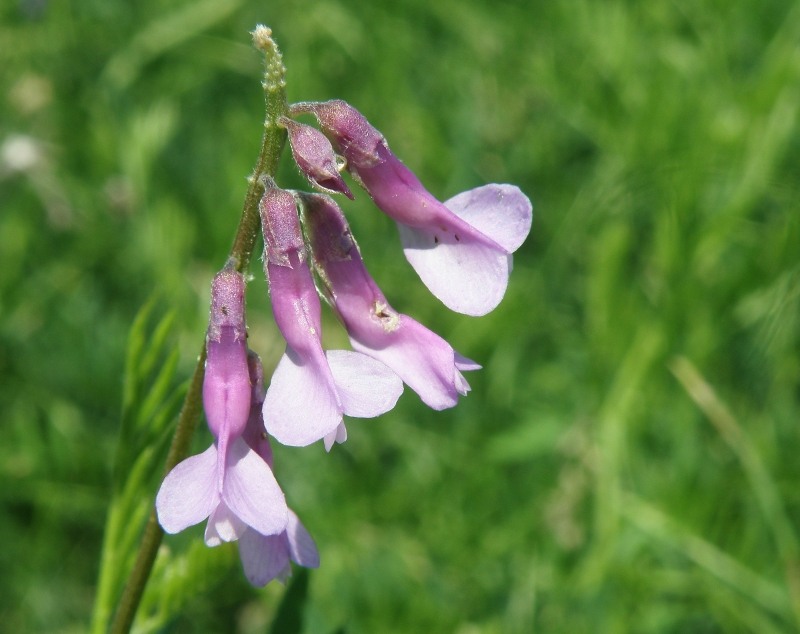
<point x="150" y="401"/>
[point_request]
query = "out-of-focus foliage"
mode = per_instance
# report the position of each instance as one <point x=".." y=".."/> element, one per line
<point x="627" y="460"/>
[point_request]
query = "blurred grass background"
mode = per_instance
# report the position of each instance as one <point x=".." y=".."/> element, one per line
<point x="628" y="458"/>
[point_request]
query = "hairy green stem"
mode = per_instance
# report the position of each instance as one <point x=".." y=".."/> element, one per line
<point x="272" y="145"/>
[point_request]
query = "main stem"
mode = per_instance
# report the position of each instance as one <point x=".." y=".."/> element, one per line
<point x="272" y="145"/>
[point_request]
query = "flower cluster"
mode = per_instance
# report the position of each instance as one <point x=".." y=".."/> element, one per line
<point x="461" y="249"/>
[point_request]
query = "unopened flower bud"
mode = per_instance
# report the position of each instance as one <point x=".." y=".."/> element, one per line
<point x="350" y="131"/>
<point x="314" y="155"/>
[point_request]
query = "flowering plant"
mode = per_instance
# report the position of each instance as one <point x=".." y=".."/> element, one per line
<point x="462" y="251"/>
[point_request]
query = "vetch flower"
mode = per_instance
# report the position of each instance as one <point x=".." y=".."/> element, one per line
<point x="310" y="390"/>
<point x="268" y="557"/>
<point x="422" y="359"/>
<point x="461" y="249"/>
<point x="228" y="483"/>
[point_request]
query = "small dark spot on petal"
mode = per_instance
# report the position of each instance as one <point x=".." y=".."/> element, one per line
<point x="436" y="239"/>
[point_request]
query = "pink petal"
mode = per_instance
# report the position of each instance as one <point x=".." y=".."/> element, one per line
<point x="469" y="277"/>
<point x="302" y="548"/>
<point x="501" y="212"/>
<point x="223" y="526"/>
<point x="366" y="387"/>
<point x="188" y="494"/>
<point x="422" y="359"/>
<point x="226" y="386"/>
<point x="464" y="364"/>
<point x="301" y="405"/>
<point x="264" y="557"/>
<point x="251" y="491"/>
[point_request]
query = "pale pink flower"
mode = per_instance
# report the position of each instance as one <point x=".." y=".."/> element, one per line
<point x="310" y="390"/>
<point x="422" y="359"/>
<point x="461" y="249"/>
<point x="228" y="483"/>
<point x="268" y="557"/>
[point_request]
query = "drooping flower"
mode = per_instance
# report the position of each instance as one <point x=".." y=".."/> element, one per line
<point x="461" y="249"/>
<point x="310" y="390"/>
<point x="425" y="361"/>
<point x="228" y="483"/>
<point x="268" y="557"/>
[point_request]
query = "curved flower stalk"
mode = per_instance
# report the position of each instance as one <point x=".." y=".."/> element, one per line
<point x="425" y="361"/>
<point x="268" y="557"/>
<point x="310" y="389"/>
<point x="461" y="249"/>
<point x="228" y="483"/>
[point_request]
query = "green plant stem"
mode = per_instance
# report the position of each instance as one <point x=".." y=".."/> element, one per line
<point x="272" y="145"/>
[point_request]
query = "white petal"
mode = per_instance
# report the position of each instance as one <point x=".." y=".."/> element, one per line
<point x="467" y="276"/>
<point x="301" y="405"/>
<point x="223" y="526"/>
<point x="501" y="212"/>
<point x="366" y="387"/>
<point x="251" y="491"/>
<point x="188" y="494"/>
<point x="461" y="384"/>
<point x="339" y="435"/>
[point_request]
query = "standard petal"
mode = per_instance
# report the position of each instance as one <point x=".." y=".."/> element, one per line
<point x="251" y="491"/>
<point x="264" y="557"/>
<point x="188" y="494"/>
<point x="366" y="387"/>
<point x="301" y="405"/>
<point x="469" y="277"/>
<point x="501" y="212"/>
<point x="302" y="548"/>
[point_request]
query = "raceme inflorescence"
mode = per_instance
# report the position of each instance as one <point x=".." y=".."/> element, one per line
<point x="461" y="249"/>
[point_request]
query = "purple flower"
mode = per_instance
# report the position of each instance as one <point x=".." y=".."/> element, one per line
<point x="422" y="359"/>
<point x="461" y="249"/>
<point x="228" y="483"/>
<point x="310" y="389"/>
<point x="267" y="557"/>
<point x="313" y="154"/>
